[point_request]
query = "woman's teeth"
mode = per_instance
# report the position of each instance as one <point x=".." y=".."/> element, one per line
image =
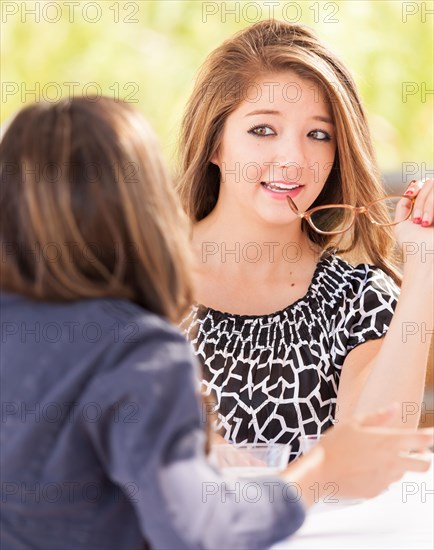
<point x="280" y="187"/>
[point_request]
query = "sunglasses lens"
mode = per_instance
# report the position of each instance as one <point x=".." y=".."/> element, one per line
<point x="383" y="211"/>
<point x="332" y="220"/>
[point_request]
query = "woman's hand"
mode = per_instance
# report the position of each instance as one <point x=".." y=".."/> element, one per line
<point x="360" y="458"/>
<point x="364" y="458"/>
<point x="416" y="235"/>
<point x="217" y="439"/>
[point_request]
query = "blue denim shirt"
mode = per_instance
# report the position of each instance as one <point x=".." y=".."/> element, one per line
<point x="102" y="441"/>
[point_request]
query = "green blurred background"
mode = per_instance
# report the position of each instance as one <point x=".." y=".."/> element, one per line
<point x="149" y="51"/>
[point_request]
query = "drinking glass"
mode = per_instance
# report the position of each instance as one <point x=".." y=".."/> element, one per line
<point x="250" y="459"/>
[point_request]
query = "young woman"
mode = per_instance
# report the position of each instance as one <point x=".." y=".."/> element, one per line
<point x="292" y="309"/>
<point x="102" y="443"/>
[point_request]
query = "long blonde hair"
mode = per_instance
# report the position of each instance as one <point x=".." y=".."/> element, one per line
<point x="275" y="46"/>
<point x="88" y="210"/>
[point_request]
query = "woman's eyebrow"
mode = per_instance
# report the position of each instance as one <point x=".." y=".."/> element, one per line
<point x="320" y="118"/>
<point x="264" y="112"/>
<point x="325" y="119"/>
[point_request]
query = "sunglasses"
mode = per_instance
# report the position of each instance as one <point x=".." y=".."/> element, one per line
<point x="333" y="219"/>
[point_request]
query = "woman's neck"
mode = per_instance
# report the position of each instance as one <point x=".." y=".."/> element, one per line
<point x="254" y="250"/>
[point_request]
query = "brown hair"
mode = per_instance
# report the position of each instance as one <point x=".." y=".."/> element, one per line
<point x="88" y="210"/>
<point x="274" y="46"/>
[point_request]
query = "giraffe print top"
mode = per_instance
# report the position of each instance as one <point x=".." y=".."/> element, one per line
<point x="275" y="377"/>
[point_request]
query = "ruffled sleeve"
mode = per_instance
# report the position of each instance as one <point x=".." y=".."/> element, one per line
<point x="365" y="311"/>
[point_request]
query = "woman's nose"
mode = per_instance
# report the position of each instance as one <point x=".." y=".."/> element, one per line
<point x="290" y="157"/>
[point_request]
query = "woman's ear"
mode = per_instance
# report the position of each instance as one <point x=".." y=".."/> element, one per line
<point x="215" y="158"/>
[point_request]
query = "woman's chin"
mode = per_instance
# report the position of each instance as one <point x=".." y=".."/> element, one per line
<point x="274" y="217"/>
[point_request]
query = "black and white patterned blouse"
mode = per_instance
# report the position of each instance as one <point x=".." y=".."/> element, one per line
<point x="275" y="377"/>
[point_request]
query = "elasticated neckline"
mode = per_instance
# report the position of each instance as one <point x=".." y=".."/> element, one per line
<point x="324" y="261"/>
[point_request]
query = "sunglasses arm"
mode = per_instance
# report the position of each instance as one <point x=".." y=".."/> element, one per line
<point x="294" y="208"/>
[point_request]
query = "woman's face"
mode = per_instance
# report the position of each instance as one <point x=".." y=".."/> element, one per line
<point x="280" y="141"/>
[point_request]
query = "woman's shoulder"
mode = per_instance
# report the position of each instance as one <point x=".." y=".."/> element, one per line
<point x="126" y="313"/>
<point x="135" y="329"/>
<point x="349" y="276"/>
<point x="88" y="320"/>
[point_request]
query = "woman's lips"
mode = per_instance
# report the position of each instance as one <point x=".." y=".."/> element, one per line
<point x="281" y="189"/>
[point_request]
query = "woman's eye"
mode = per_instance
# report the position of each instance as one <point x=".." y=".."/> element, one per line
<point x="262" y="131"/>
<point x="320" y="135"/>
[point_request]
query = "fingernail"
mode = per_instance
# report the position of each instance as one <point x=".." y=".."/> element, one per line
<point x="417" y="216"/>
<point x="425" y="224"/>
<point x="410" y="188"/>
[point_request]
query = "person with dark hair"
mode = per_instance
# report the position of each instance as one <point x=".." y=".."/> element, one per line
<point x="102" y="442"/>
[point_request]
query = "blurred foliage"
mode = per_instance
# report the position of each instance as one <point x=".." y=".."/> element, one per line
<point x="149" y="51"/>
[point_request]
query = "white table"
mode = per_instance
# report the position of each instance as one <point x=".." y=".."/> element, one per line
<point x="401" y="517"/>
